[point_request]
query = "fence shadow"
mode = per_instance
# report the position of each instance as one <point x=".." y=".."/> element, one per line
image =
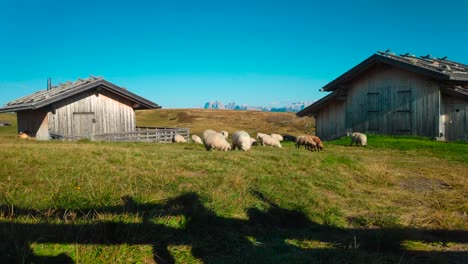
<point x="273" y="236"/>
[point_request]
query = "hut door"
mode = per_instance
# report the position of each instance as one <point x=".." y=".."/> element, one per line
<point x="374" y="114"/>
<point x="456" y="126"/>
<point x="402" y="114"/>
<point x="83" y="124"/>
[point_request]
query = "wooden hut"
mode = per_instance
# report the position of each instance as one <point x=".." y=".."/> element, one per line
<point x="78" y="109"/>
<point x="396" y="95"/>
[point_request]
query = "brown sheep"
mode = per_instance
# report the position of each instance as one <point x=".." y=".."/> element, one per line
<point x="318" y="142"/>
<point x="307" y="141"/>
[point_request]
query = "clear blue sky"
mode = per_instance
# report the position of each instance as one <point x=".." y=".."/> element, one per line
<point x="184" y="53"/>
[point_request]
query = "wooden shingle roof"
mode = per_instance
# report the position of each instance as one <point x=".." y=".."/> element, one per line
<point x="62" y="91"/>
<point x="437" y="68"/>
<point x="453" y="74"/>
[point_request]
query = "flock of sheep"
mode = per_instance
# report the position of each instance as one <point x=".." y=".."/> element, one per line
<point x="242" y="140"/>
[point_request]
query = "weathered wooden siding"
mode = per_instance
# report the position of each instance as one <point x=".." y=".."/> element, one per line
<point x="387" y="100"/>
<point x="455" y="118"/>
<point x="92" y="113"/>
<point x="35" y="123"/>
<point x="330" y="123"/>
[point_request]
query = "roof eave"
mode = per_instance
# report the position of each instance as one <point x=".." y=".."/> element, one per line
<point x="131" y="96"/>
<point x="11" y="109"/>
<point x="315" y="107"/>
<point x="369" y="62"/>
<point x="114" y="88"/>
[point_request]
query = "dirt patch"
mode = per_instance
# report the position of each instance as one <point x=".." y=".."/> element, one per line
<point x="184" y="117"/>
<point x="421" y="184"/>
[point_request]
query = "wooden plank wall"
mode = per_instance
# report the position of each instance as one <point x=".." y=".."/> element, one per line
<point x="330" y="123"/>
<point x="455" y="118"/>
<point x="35" y="123"/>
<point x="386" y="100"/>
<point x="112" y="114"/>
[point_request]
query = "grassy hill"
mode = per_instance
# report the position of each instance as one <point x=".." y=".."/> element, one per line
<point x="401" y="200"/>
<point x="200" y="119"/>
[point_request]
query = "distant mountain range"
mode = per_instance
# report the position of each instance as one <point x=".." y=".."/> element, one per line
<point x="289" y="107"/>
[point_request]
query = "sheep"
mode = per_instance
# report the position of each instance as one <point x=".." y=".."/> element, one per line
<point x="253" y="141"/>
<point x="318" y="142"/>
<point x="241" y="140"/>
<point x="299" y="141"/>
<point x="179" y="139"/>
<point x="259" y="138"/>
<point x="26" y="135"/>
<point x="278" y="137"/>
<point x="224" y="133"/>
<point x="260" y="135"/>
<point x="289" y="138"/>
<point x="307" y="141"/>
<point x="23" y="135"/>
<point x="215" y="141"/>
<point x="358" y="138"/>
<point x="269" y="140"/>
<point x="196" y="139"/>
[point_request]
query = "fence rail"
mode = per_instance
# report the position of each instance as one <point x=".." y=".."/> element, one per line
<point x="147" y="134"/>
<point x="141" y="134"/>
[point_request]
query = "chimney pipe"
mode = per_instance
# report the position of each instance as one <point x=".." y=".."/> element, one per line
<point x="49" y="84"/>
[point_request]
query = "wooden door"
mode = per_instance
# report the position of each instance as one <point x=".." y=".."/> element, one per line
<point x="83" y="124"/>
<point x="456" y="122"/>
<point x="402" y="119"/>
<point x="374" y="113"/>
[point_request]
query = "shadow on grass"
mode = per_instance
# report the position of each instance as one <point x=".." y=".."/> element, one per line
<point x="276" y="235"/>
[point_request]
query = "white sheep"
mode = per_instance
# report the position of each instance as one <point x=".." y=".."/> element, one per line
<point x="241" y="140"/>
<point x="278" y="137"/>
<point x="215" y="141"/>
<point x="260" y="135"/>
<point x="359" y="139"/>
<point x="196" y="139"/>
<point x="269" y="140"/>
<point x="179" y="139"/>
<point x="224" y="133"/>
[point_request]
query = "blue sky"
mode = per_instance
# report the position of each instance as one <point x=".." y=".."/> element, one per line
<point x="184" y="53"/>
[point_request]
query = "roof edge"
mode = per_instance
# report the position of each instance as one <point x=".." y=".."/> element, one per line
<point x="313" y="108"/>
<point x="369" y="62"/>
<point x="142" y="102"/>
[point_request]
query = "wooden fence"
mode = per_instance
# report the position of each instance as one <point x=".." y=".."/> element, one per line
<point x="145" y="134"/>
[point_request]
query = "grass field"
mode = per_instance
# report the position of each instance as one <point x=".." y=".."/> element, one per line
<point x="400" y="200"/>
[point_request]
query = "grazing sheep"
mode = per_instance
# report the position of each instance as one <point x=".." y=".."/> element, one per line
<point x="289" y="138"/>
<point x="196" y="139"/>
<point x="241" y="140"/>
<point x="299" y="141"/>
<point x="179" y="139"/>
<point x="224" y="133"/>
<point x="278" y="137"/>
<point x="215" y="141"/>
<point x="259" y="138"/>
<point x="253" y="141"/>
<point x="318" y="142"/>
<point x="358" y="138"/>
<point x="307" y="141"/>
<point x="260" y="135"/>
<point x="269" y="140"/>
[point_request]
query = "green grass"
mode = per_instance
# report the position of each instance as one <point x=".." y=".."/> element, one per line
<point x="456" y="151"/>
<point x="400" y="200"/>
